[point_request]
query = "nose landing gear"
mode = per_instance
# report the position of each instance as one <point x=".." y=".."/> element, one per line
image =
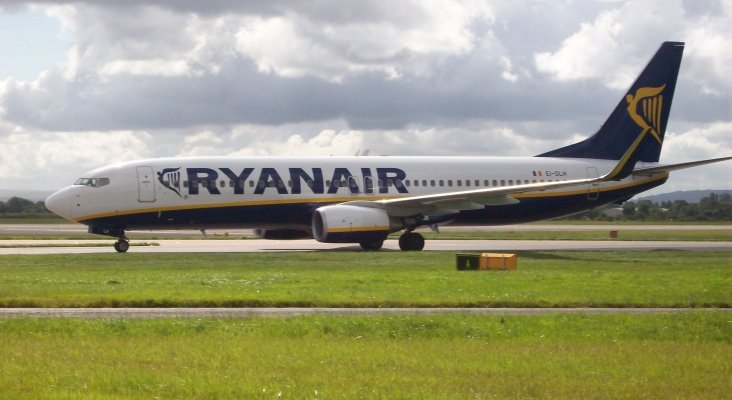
<point x="122" y="245"/>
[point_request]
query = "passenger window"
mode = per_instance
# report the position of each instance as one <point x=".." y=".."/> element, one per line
<point x="510" y="182"/>
<point x="424" y="183"/>
<point x="406" y="182"/>
<point x="467" y="182"/>
<point x="416" y="182"/>
<point x="251" y="183"/>
<point x="459" y="182"/>
<point x="503" y="182"/>
<point x="432" y="183"/>
<point x="449" y="182"/>
<point x="477" y="182"/>
<point x="485" y="183"/>
<point x="442" y="183"/>
<point x="185" y="184"/>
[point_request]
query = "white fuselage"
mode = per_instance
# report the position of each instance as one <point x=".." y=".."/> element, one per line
<point x="260" y="192"/>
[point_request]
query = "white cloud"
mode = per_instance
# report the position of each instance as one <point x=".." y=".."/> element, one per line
<point x="612" y="46"/>
<point x="295" y="45"/>
<point x="276" y="77"/>
<point x="323" y="143"/>
<point x="51" y="160"/>
<point x="709" y="55"/>
<point x="706" y="141"/>
<point x="146" y="67"/>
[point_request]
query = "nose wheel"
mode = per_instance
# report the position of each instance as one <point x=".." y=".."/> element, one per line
<point x="122" y="246"/>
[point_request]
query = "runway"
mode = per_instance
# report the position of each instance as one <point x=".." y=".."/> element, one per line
<point x="194" y="241"/>
<point x="258" y="245"/>
<point x="294" y="312"/>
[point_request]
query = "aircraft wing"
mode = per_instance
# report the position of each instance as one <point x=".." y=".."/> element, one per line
<point x="674" y="167"/>
<point x="452" y="202"/>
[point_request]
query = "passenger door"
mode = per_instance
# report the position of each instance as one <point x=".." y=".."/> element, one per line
<point x="146" y="185"/>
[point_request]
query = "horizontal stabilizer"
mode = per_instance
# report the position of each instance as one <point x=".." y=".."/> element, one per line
<point x="674" y="167"/>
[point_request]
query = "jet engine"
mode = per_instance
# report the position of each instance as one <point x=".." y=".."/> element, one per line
<point x="343" y="223"/>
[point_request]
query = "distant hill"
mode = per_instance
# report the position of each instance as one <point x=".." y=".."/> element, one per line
<point x="690" y="196"/>
<point x="32" y="195"/>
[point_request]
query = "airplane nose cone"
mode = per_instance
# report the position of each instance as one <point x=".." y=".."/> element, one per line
<point x="59" y="203"/>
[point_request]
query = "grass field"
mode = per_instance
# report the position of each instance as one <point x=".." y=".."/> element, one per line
<point x="456" y="356"/>
<point x="671" y="356"/>
<point x="366" y="279"/>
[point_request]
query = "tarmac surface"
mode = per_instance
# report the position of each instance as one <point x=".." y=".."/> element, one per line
<point x="215" y="242"/>
<point x="258" y="245"/>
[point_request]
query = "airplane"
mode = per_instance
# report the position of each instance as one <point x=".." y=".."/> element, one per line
<point x="362" y="199"/>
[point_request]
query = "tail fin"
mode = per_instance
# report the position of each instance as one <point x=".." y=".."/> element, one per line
<point x="635" y="129"/>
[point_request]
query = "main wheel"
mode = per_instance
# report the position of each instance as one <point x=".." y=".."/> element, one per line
<point x="121" y="246"/>
<point x="371" y="245"/>
<point x="410" y="241"/>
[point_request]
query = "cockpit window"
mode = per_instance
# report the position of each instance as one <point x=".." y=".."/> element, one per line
<point x="93" y="182"/>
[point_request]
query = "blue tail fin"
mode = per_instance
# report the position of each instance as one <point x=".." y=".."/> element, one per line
<point x="635" y="129"/>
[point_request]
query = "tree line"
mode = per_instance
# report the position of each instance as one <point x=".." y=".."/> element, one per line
<point x="715" y="207"/>
<point x="18" y="206"/>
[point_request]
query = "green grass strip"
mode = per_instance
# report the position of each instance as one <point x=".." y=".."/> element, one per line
<point x="366" y="279"/>
<point x="685" y="356"/>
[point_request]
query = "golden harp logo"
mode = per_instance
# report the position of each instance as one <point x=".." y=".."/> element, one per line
<point x="645" y="108"/>
<point x="170" y="178"/>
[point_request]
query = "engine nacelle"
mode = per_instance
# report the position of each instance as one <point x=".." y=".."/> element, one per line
<point x="343" y="223"/>
<point x="281" y="234"/>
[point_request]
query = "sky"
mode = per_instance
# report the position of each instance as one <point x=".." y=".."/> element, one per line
<point x="86" y="83"/>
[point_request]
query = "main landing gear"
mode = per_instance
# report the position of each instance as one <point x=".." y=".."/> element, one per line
<point x="122" y="245"/>
<point x="410" y="241"/>
<point x="376" y="245"/>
